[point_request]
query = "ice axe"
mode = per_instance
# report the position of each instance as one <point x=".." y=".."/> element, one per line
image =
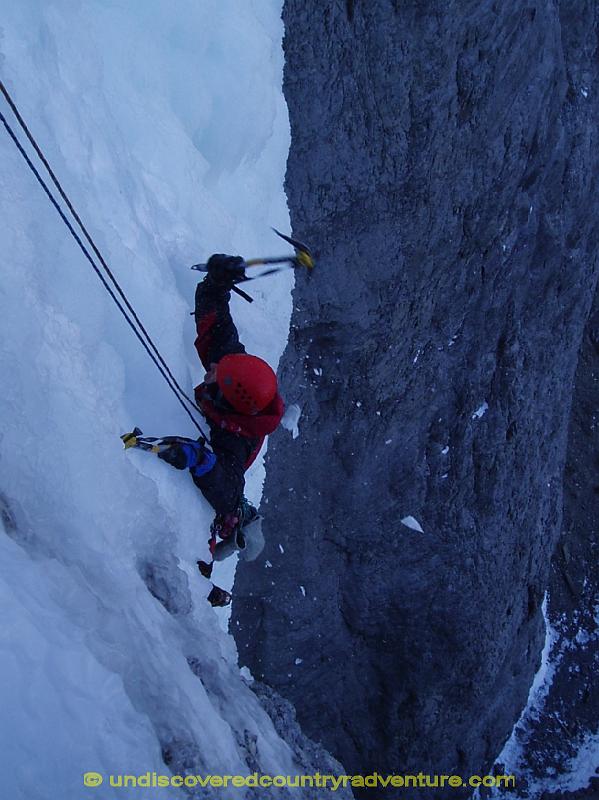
<point x="301" y="258"/>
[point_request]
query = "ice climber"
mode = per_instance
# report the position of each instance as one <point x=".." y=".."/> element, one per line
<point x="240" y="400"/>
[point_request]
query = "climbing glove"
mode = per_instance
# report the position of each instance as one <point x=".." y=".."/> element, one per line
<point x="226" y="270"/>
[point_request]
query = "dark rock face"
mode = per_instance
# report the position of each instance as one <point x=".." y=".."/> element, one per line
<point x="442" y="163"/>
<point x="560" y="728"/>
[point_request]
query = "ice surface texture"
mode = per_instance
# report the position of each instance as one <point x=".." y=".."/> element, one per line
<point x="170" y="133"/>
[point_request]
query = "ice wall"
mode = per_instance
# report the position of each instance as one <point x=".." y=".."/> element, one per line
<point x="167" y="126"/>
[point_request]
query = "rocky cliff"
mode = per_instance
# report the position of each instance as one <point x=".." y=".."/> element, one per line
<point x="443" y="165"/>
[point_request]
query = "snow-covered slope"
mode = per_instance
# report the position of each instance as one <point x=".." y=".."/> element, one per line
<point x="167" y="126"/>
<point x="561" y="772"/>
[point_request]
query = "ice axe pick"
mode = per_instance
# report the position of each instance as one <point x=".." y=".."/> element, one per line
<point x="301" y="258"/>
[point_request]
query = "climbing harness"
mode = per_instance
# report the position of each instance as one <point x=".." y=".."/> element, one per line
<point x="133" y="320"/>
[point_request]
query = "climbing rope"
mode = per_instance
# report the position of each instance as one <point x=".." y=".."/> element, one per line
<point x="155" y="355"/>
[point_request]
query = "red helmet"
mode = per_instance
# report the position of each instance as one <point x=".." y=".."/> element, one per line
<point x="247" y="382"/>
